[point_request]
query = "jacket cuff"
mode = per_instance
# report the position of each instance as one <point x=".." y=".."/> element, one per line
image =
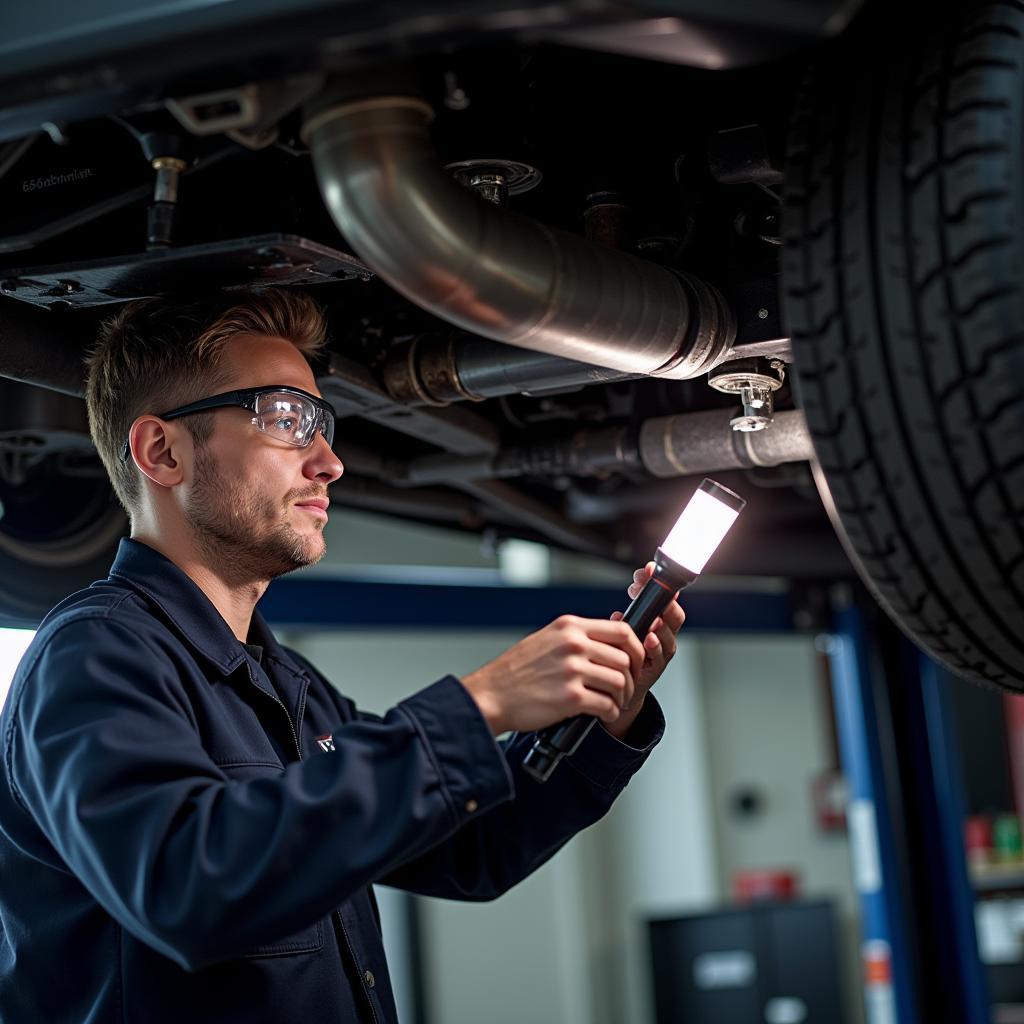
<point x="608" y="762"/>
<point x="471" y="766"/>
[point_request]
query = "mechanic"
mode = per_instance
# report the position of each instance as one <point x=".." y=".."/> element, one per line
<point x="191" y="816"/>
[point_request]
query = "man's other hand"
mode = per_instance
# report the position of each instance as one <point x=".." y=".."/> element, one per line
<point x="573" y="666"/>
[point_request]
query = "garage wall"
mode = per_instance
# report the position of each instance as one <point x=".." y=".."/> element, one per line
<point x="13" y="643"/>
<point x="654" y="854"/>
<point x="766" y="720"/>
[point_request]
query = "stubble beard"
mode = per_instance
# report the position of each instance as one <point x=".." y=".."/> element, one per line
<point x="244" y="534"/>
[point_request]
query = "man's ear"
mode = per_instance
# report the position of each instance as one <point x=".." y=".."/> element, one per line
<point x="159" y="449"/>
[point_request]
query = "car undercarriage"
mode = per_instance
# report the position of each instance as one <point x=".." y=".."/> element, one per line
<point x="573" y="260"/>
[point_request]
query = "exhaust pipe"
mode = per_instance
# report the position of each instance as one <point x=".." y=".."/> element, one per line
<point x="492" y="272"/>
<point x="442" y="370"/>
<point x="687" y="444"/>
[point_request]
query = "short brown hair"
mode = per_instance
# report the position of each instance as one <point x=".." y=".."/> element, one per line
<point x="156" y="354"/>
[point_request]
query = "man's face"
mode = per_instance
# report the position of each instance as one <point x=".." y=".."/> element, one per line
<point x="245" y="505"/>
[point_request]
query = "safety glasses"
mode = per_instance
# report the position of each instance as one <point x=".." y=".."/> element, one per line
<point x="289" y="414"/>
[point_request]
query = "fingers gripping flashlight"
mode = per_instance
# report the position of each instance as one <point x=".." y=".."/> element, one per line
<point x="677" y="563"/>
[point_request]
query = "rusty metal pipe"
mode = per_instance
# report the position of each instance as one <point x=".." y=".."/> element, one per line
<point x="703" y="442"/>
<point x="687" y="444"/>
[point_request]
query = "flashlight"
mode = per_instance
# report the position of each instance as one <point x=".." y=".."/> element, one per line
<point x="677" y="563"/>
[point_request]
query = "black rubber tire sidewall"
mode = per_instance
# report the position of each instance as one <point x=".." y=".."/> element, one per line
<point x="38" y="573"/>
<point x="904" y="292"/>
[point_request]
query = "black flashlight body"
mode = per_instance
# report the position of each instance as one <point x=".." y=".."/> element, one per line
<point x="561" y="740"/>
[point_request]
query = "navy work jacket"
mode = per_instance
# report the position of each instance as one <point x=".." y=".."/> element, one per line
<point x="189" y="834"/>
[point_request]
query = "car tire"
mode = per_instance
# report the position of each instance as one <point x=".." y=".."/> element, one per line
<point x="903" y="288"/>
<point x="58" y="532"/>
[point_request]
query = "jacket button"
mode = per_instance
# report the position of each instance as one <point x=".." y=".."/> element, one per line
<point x="369" y="979"/>
<point x="471" y="806"/>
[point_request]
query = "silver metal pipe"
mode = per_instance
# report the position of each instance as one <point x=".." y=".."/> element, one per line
<point x="492" y="272"/>
<point x="703" y="442"/>
<point x="441" y="370"/>
<point x="488" y="369"/>
<point x="589" y="452"/>
<point x="668" y="446"/>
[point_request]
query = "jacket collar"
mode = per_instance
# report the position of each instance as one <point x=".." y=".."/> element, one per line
<point x="187" y="609"/>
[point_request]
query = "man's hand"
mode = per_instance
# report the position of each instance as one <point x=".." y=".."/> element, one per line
<point x="659" y="646"/>
<point x="573" y="666"/>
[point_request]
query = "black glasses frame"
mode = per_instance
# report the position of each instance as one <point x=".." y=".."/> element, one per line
<point x="245" y="398"/>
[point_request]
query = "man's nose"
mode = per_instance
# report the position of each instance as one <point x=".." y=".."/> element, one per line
<point x="323" y="464"/>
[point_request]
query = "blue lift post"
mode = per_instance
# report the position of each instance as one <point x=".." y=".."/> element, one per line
<point x="889" y="991"/>
<point x="950" y="878"/>
<point x="901" y="759"/>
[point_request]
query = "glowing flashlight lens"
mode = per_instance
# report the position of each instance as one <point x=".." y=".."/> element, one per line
<point x="700" y="529"/>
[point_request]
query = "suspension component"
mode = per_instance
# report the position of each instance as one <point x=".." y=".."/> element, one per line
<point x="755" y="381"/>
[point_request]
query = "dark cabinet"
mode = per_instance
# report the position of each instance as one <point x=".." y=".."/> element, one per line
<point x="775" y="963"/>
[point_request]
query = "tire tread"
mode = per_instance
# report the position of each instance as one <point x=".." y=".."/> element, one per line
<point x="904" y="364"/>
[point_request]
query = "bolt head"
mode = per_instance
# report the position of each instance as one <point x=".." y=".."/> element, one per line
<point x="762" y="313"/>
<point x="169" y="163"/>
<point x="749" y="424"/>
<point x="456" y="100"/>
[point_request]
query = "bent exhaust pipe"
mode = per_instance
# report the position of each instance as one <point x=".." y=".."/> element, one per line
<point x="492" y="272"/>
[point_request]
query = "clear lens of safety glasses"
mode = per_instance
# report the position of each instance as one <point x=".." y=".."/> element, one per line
<point x="290" y="418"/>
